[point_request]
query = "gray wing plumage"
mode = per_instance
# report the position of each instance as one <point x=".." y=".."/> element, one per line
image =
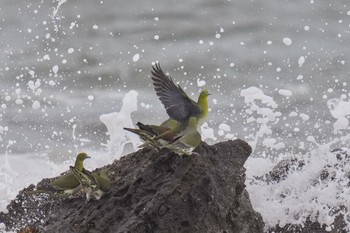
<point x="176" y="102"/>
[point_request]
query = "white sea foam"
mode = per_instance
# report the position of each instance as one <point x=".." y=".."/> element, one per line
<point x="303" y="193"/>
<point x="136" y="57"/>
<point x="285" y="92"/>
<point x="59" y="3"/>
<point x="301" y="61"/>
<point x="287" y="41"/>
<point x="340" y="110"/>
<point x="265" y="108"/>
<point x="18" y="171"/>
<point x="115" y="122"/>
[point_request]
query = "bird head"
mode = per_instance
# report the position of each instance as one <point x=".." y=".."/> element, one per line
<point x="203" y="99"/>
<point x="205" y="93"/>
<point x="79" y="161"/>
<point x="82" y="156"/>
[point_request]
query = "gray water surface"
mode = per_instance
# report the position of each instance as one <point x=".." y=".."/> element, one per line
<point x="231" y="45"/>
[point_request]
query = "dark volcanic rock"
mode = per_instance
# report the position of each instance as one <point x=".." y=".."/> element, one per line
<point x="155" y="192"/>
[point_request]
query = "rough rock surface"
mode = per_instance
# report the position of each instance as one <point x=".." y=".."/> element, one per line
<point x="154" y="192"/>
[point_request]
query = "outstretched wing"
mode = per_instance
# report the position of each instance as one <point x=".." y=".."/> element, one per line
<point x="176" y="102"/>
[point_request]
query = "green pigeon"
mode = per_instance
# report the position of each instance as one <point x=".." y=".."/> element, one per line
<point x="94" y="185"/>
<point x="179" y="106"/>
<point x="147" y="133"/>
<point x="68" y="184"/>
<point x="187" y="140"/>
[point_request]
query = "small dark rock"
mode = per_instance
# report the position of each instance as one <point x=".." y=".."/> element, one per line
<point x="281" y="170"/>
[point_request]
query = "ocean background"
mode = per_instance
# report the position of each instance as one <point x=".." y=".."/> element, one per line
<point x="73" y="73"/>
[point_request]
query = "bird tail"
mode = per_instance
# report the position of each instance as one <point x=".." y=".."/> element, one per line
<point x="153" y="130"/>
<point x="135" y="131"/>
<point x="145" y="136"/>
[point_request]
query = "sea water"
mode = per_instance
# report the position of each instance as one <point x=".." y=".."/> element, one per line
<point x="74" y="74"/>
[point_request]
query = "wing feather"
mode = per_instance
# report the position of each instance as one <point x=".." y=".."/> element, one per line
<point x="176" y="102"/>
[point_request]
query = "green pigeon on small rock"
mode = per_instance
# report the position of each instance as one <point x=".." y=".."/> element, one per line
<point x="179" y="107"/>
<point x="66" y="185"/>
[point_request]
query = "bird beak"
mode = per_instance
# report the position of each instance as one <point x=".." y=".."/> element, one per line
<point x="88" y="157"/>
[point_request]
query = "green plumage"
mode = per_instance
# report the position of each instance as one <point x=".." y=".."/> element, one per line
<point x="187" y="140"/>
<point x="93" y="185"/>
<point x="155" y="135"/>
<point x="180" y="132"/>
<point x="68" y="184"/>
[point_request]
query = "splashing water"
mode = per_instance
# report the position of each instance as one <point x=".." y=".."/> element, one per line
<point x="317" y="187"/>
<point x="339" y="109"/>
<point x="59" y="4"/>
<point x="19" y="171"/>
<point x="266" y="114"/>
<point x="115" y="122"/>
<point x="8" y="177"/>
<point x="48" y="64"/>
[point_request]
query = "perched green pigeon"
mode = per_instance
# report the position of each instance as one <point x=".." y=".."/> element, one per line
<point x="187" y="140"/>
<point x="177" y="104"/>
<point x="94" y="185"/>
<point x="147" y="133"/>
<point x="68" y="184"/>
<point x="179" y="107"/>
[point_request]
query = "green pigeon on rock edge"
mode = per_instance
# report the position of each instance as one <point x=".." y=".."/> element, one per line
<point x="66" y="185"/>
<point x="179" y="107"/>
